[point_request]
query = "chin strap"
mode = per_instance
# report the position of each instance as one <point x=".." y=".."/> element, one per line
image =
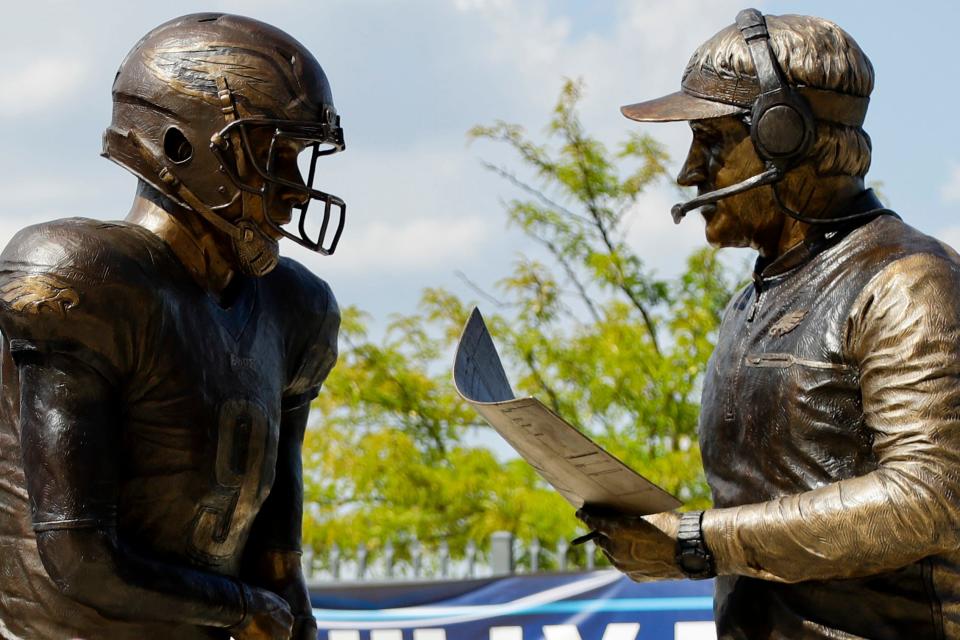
<point x="152" y="157"/>
<point x="229" y="110"/>
<point x="257" y="253"/>
<point x="252" y="258"/>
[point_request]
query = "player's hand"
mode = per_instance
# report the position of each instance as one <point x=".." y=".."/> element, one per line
<point x="644" y="548"/>
<point x="268" y="617"/>
<point x="305" y="628"/>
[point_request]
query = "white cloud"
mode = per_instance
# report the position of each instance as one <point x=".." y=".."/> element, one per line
<point x="643" y="56"/>
<point x="525" y="37"/>
<point x="410" y="82"/>
<point x="425" y="212"/>
<point x="32" y="193"/>
<point x="950" y="191"/>
<point x="410" y="245"/>
<point x="44" y="83"/>
<point x="467" y="5"/>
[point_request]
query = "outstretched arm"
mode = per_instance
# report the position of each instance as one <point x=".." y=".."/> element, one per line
<point x="271" y="558"/>
<point x="70" y="418"/>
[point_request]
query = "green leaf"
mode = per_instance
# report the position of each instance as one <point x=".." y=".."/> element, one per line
<point x="617" y="351"/>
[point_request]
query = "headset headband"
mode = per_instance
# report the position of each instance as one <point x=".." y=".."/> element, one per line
<point x="781" y="123"/>
<point x="753" y="28"/>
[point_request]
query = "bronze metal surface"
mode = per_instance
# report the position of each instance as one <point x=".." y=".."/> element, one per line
<point x="157" y="373"/>
<point x="830" y="415"/>
<point x="191" y="102"/>
<point x="707" y="91"/>
<point x="841" y="438"/>
<point x="707" y="95"/>
<point x="679" y="105"/>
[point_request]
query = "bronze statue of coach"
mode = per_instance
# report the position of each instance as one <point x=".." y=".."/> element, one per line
<point x="830" y="419"/>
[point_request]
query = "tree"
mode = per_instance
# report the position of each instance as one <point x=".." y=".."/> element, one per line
<point x="588" y="329"/>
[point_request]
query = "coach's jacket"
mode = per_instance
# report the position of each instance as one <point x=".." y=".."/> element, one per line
<point x="830" y="433"/>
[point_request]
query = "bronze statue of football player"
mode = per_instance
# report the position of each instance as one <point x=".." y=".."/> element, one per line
<point x="830" y="419"/>
<point x="157" y="372"/>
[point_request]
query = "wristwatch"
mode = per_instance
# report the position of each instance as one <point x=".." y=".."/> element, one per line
<point x="693" y="557"/>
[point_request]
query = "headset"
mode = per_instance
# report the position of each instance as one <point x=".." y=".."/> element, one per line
<point x="782" y="126"/>
<point x="781" y="121"/>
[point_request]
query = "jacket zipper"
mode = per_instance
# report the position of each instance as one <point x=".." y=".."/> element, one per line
<point x="757" y="301"/>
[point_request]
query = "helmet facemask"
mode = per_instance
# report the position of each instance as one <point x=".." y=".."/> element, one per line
<point x="317" y="139"/>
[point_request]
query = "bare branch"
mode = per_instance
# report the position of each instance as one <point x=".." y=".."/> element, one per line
<point x="539" y="195"/>
<point x="480" y="291"/>
<point x="572" y="275"/>
<point x="594" y="210"/>
<point x="552" y="395"/>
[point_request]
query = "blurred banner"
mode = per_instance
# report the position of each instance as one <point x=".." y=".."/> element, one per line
<point x="595" y="605"/>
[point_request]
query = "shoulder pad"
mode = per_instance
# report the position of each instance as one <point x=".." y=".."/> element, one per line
<point x="303" y="289"/>
<point x="88" y="248"/>
<point x="75" y="286"/>
<point x="313" y="319"/>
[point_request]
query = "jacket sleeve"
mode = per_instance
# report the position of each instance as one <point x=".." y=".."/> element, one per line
<point x="903" y="334"/>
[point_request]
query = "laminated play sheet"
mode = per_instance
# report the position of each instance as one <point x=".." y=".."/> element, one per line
<point x="579" y="469"/>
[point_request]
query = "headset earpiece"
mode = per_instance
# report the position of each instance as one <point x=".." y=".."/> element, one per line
<point x="781" y="123"/>
<point x="781" y="127"/>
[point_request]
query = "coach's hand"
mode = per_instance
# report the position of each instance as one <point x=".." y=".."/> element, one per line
<point x="644" y="548"/>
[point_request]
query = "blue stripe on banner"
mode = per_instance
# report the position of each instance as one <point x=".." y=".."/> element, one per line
<point x="564" y="606"/>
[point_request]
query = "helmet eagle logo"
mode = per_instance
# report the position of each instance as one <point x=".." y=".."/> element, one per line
<point x="195" y="71"/>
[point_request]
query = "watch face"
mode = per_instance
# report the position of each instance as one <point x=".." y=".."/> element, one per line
<point x="695" y="563"/>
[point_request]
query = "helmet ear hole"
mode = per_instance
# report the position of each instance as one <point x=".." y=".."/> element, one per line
<point x="176" y="146"/>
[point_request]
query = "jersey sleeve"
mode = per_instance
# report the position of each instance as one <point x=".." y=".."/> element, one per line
<point x="315" y="327"/>
<point x="904" y="338"/>
<point x="63" y="292"/>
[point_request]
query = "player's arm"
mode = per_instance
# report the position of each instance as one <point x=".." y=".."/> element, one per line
<point x="272" y="556"/>
<point x="904" y="333"/>
<point x="70" y="419"/>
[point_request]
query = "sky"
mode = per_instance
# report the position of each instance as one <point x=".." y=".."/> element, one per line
<point x="410" y="78"/>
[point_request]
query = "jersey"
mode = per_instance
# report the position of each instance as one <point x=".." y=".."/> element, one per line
<point x="198" y="390"/>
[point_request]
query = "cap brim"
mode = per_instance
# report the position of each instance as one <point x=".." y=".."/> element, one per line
<point x="679" y="106"/>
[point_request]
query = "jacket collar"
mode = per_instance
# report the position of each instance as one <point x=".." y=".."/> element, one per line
<point x="820" y="238"/>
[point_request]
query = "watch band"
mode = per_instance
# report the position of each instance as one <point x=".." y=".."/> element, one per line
<point x="693" y="557"/>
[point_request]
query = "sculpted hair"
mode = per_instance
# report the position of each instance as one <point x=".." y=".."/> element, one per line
<point x="816" y="53"/>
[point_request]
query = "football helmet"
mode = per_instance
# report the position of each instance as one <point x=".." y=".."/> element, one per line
<point x="202" y="107"/>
